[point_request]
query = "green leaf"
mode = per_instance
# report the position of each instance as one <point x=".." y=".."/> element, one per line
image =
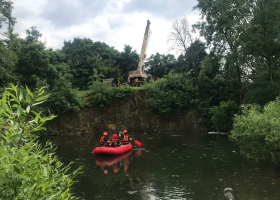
<point x="35" y="104"/>
<point x="18" y="112"/>
<point x="41" y="93"/>
<point x="15" y="106"/>
<point x="42" y="98"/>
<point x="7" y="108"/>
<point x="30" y="191"/>
<point x="28" y="109"/>
<point x="15" y="136"/>
<point x="20" y="96"/>
<point x="38" y="129"/>
<point x="45" y="172"/>
<point x="15" y="126"/>
<point x="44" y="188"/>
<point x="17" y="169"/>
<point x="30" y="93"/>
<point x="36" y="119"/>
<point x="64" y="193"/>
<point x="14" y="87"/>
<point x="4" y="98"/>
<point x="28" y="98"/>
<point x="22" y="176"/>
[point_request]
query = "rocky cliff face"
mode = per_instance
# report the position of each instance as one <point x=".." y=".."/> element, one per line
<point x="131" y="114"/>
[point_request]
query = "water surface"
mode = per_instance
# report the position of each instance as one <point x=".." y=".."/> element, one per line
<point x="169" y="165"/>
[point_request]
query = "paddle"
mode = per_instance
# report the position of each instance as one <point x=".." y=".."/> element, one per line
<point x="138" y="143"/>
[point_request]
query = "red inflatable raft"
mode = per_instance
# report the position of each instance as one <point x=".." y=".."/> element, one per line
<point x="112" y="150"/>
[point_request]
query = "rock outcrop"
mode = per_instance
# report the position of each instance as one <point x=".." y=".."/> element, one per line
<point x="131" y="114"/>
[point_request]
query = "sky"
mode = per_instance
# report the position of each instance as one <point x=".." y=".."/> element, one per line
<point x="115" y="22"/>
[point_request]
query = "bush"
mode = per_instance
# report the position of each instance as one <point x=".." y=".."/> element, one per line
<point x="174" y="91"/>
<point x="222" y="115"/>
<point x="121" y="93"/>
<point x="28" y="170"/>
<point x="257" y="131"/>
<point x="102" y="95"/>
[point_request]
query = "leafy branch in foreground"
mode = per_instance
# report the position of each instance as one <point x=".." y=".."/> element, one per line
<point x="27" y="169"/>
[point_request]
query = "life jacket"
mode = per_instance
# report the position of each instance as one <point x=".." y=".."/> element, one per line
<point x="114" y="142"/>
<point x="106" y="142"/>
<point x="102" y="140"/>
<point x="125" y="140"/>
<point x="125" y="137"/>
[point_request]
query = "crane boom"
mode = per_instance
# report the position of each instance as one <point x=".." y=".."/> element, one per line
<point x="144" y="45"/>
<point x="140" y="70"/>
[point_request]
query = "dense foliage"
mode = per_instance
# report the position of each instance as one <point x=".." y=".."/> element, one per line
<point x="222" y="115"/>
<point x="257" y="131"/>
<point x="102" y="95"/>
<point x="173" y="92"/>
<point x="28" y="170"/>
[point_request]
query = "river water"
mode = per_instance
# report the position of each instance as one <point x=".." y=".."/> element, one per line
<point x="169" y="165"/>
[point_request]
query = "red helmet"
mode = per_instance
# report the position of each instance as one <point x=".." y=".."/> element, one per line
<point x="115" y="136"/>
<point x="124" y="131"/>
<point x="105" y="133"/>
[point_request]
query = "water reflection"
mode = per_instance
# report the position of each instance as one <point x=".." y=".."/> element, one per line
<point x="115" y="162"/>
<point x="138" y="152"/>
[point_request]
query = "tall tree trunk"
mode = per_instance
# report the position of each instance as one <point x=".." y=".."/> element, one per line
<point x="237" y="72"/>
<point x="239" y="81"/>
<point x="199" y="89"/>
<point x="269" y="71"/>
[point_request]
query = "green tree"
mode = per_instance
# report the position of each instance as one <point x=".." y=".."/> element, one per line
<point x="127" y="61"/>
<point x="174" y="91"/>
<point x="33" y="59"/>
<point x="181" y="65"/>
<point x="159" y="65"/>
<point x="6" y="7"/>
<point x="182" y="41"/>
<point x="63" y="98"/>
<point x="84" y="55"/>
<point x="222" y="115"/>
<point x="33" y="35"/>
<point x="8" y="60"/>
<point x="261" y="38"/>
<point x="194" y="56"/>
<point x="59" y="67"/>
<point x="222" y="27"/>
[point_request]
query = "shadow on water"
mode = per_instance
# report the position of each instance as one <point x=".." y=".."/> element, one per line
<point x="169" y="165"/>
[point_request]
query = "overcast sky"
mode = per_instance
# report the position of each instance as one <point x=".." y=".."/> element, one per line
<point x="115" y="22"/>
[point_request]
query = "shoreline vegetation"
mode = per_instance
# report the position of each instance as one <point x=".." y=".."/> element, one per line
<point x="29" y="169"/>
